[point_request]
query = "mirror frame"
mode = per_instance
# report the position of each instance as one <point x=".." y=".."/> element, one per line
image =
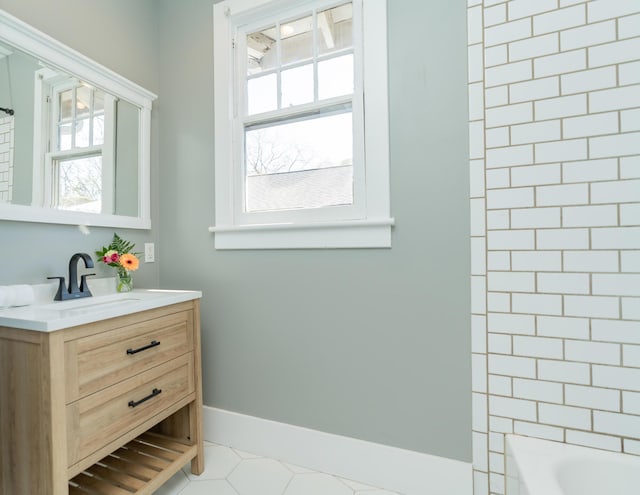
<point x="55" y="54"/>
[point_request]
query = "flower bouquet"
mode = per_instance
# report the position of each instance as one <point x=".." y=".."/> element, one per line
<point x="118" y="254"/>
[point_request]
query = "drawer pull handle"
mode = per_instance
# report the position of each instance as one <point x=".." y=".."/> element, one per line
<point x="153" y="343"/>
<point x="136" y="403"/>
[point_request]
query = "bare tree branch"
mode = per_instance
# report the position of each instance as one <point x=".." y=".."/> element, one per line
<point x="267" y="156"/>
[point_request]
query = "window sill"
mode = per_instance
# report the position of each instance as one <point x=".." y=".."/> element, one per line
<point x="335" y="235"/>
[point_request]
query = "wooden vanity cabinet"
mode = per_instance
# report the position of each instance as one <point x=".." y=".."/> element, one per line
<point x="112" y="407"/>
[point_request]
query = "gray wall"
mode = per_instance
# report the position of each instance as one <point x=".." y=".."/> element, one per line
<point x="372" y="344"/>
<point x="120" y="35"/>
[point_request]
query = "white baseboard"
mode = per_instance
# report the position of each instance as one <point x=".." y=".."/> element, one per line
<point x="391" y="468"/>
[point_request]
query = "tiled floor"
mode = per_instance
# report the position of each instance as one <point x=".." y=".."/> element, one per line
<point x="233" y="472"/>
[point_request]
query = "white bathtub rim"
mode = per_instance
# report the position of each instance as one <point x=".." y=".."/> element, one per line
<point x="534" y="460"/>
<point x="538" y="461"/>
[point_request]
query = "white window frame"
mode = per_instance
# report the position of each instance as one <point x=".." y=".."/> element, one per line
<point x="367" y="223"/>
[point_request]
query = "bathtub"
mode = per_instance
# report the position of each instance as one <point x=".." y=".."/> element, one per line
<point x="543" y="467"/>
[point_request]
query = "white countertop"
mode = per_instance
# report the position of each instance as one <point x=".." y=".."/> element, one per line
<point x="49" y="315"/>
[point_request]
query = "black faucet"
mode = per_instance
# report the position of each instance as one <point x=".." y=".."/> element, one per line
<point x="74" y="292"/>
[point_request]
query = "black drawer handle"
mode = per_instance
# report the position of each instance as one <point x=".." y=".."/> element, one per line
<point x="134" y="403"/>
<point x="153" y="343"/>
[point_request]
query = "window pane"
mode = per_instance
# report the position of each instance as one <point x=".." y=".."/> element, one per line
<point x="65" y="119"/>
<point x="80" y="184"/>
<point x="98" y="130"/>
<point x="335" y="77"/>
<point x="65" y="100"/>
<point x="296" y="40"/>
<point x="302" y="164"/>
<point x="83" y="128"/>
<point x="83" y="102"/>
<point x="297" y="86"/>
<point x="98" y="101"/>
<point x="261" y="52"/>
<point x="262" y="93"/>
<point x="64" y="137"/>
<point x="335" y="29"/>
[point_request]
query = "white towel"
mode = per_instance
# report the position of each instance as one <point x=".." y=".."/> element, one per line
<point x="16" y="295"/>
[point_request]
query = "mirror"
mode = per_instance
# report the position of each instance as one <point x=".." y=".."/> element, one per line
<point x="74" y="136"/>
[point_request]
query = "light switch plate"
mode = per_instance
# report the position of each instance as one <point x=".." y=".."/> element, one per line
<point x="149" y="252"/>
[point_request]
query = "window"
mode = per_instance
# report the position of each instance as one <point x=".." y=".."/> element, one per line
<point x="301" y="137"/>
<point x="79" y="137"/>
<point x="80" y="174"/>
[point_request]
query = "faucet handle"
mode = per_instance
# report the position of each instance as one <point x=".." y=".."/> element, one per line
<point x="61" y="288"/>
<point x="84" y="287"/>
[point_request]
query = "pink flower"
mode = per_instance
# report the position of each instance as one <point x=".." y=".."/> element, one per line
<point x="111" y="257"/>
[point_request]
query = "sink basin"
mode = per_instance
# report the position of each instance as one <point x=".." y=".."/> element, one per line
<point x="91" y="302"/>
<point x="57" y="315"/>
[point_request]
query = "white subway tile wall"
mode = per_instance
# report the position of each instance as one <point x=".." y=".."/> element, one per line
<point x="555" y="198"/>
<point x="6" y="158"/>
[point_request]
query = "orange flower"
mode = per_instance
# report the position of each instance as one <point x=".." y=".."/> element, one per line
<point x="130" y="262"/>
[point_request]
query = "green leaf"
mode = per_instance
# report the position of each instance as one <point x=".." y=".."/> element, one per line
<point x="120" y="245"/>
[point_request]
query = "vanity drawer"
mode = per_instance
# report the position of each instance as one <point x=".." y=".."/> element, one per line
<point x="97" y="361"/>
<point x="103" y="417"/>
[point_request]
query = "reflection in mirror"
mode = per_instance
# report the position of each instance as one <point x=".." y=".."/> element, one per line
<point x="74" y="136"/>
<point x="85" y="141"/>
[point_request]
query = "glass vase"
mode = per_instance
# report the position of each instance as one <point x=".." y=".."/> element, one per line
<point x="124" y="281"/>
